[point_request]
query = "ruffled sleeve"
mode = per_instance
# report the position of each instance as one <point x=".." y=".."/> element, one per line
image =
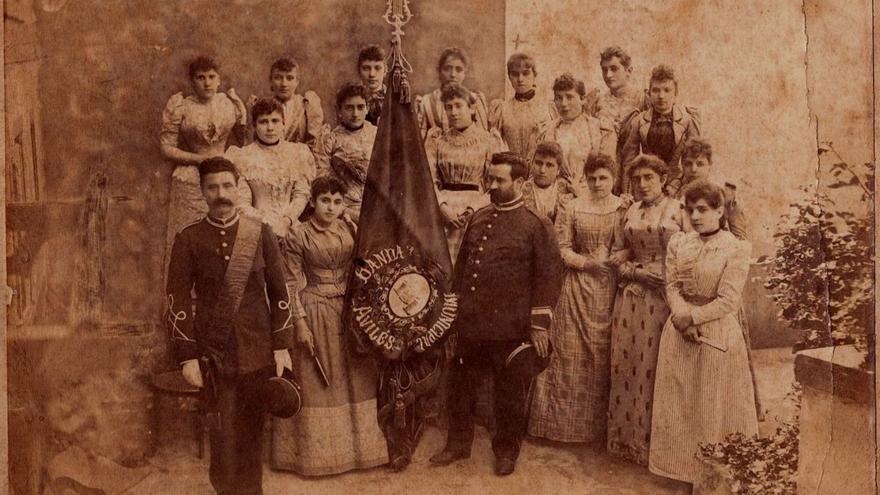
<point x="172" y="117"/>
<point x="676" y="302"/>
<point x="323" y="152"/>
<point x="497" y="144"/>
<point x="621" y="245"/>
<point x="564" y="227"/>
<point x="730" y="287"/>
<point x="302" y="176"/>
<point x="314" y="115"/>
<point x="481" y="110"/>
<point x="431" y="149"/>
<point x="293" y="247"/>
<point x="245" y="196"/>
<point x="496" y="114"/>
<point x="591" y="103"/>
<point x="607" y="137"/>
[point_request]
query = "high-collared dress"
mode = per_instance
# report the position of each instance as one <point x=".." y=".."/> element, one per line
<point x="280" y="176"/>
<point x="616" y="108"/>
<point x="197" y="127"/>
<point x="345" y="154"/>
<point x="459" y="161"/>
<point x="303" y="118"/>
<point x="578" y="138"/>
<point x="701" y="394"/>
<point x="431" y="113"/>
<point x="571" y="395"/>
<point x="374" y="105"/>
<point x="337" y="429"/>
<point x="547" y="201"/>
<point x="736" y="221"/>
<point x="637" y="320"/>
<point x="518" y="117"/>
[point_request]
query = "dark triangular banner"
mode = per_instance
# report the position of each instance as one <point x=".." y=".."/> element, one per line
<point x="398" y="297"/>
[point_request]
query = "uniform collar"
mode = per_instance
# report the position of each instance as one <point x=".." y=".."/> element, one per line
<point x="222" y="224"/>
<point x="510" y="205"/>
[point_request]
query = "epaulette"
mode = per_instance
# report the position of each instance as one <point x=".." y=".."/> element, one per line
<point x="482" y="211"/>
<point x="191" y="225"/>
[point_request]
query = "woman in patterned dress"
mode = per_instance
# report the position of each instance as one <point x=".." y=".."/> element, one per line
<point x="459" y="158"/>
<point x="344" y="152"/>
<point x="195" y="128"/>
<point x="278" y="172"/>
<point x="571" y="396"/>
<point x="337" y="430"/>
<point x="703" y="364"/>
<point x="640" y="308"/>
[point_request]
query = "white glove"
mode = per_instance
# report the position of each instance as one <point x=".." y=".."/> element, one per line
<point x="282" y="360"/>
<point x="192" y="373"/>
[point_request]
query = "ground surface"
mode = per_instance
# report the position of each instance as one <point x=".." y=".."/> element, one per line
<point x="544" y="467"/>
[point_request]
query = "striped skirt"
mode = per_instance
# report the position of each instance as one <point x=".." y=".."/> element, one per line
<point x="701" y="395"/>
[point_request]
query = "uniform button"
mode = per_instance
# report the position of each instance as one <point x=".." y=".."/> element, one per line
<point x="480" y="248"/>
<point x="226" y="258"/>
<point x="473" y="289"/>
<point x="475" y="275"/>
<point x="224" y="244"/>
<point x="477" y="262"/>
<point x="222" y="232"/>
<point x="489" y="226"/>
<point x="494" y="215"/>
<point x="484" y="238"/>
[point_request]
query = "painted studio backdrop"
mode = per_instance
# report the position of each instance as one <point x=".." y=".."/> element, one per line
<point x="87" y="188"/>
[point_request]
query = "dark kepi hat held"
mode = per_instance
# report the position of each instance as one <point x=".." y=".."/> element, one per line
<point x="281" y="395"/>
<point x="524" y="360"/>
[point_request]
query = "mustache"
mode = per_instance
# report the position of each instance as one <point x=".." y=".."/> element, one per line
<point x="222" y="202"/>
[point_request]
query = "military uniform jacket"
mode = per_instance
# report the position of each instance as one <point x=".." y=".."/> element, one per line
<point x="508" y="274"/>
<point x="199" y="259"/>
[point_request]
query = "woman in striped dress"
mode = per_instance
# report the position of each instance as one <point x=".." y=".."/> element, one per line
<point x="703" y="390"/>
<point x="571" y="396"/>
<point x="640" y="308"/>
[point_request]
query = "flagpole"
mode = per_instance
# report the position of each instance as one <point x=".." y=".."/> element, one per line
<point x="397" y="14"/>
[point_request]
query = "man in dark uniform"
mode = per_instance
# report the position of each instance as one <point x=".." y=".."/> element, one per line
<point x="508" y="276"/>
<point x="233" y="263"/>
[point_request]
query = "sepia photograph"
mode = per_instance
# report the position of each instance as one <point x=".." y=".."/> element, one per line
<point x="412" y="247"/>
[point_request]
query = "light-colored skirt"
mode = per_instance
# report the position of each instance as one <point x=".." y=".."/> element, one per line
<point x="700" y="396"/>
<point x="337" y="429"/>
<point x="571" y="395"/>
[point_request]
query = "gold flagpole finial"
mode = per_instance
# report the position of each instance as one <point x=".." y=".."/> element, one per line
<point x="397" y="14"/>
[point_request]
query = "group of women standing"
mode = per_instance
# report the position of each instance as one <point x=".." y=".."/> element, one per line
<point x="649" y="355"/>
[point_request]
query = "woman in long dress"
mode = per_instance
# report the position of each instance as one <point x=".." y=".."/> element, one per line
<point x="459" y="158"/>
<point x="703" y="390"/>
<point x="278" y="172"/>
<point x="571" y="396"/>
<point x="337" y="429"/>
<point x="195" y="128"/>
<point x="640" y="308"/>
